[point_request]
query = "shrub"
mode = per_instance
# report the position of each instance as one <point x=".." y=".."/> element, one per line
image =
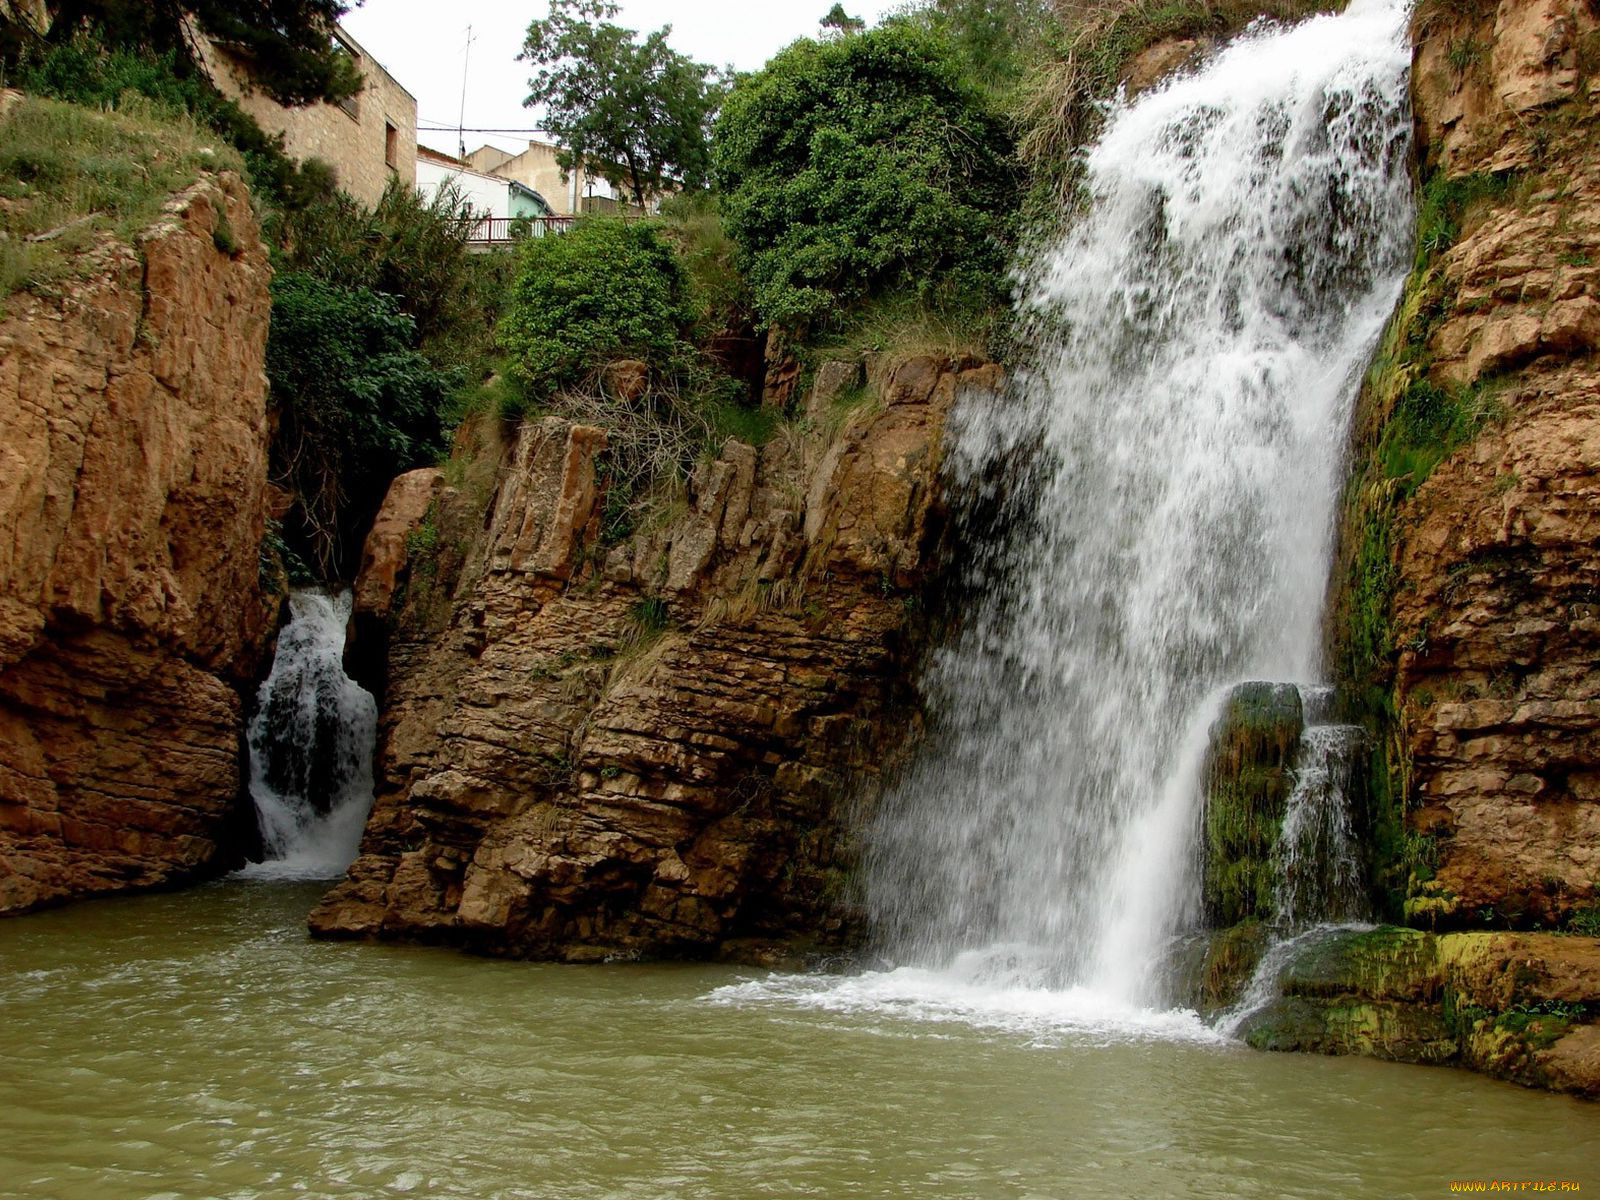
<point x="410" y="248"/>
<point x="605" y="290"/>
<point x="862" y="165"/>
<point x="357" y="404"/>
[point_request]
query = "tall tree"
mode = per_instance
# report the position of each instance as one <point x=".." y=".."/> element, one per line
<point x="635" y="112"/>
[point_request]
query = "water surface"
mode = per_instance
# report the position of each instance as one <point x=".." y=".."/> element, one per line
<point x="199" y="1045"/>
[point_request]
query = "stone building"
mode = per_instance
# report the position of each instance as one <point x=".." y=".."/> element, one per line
<point x="367" y="140"/>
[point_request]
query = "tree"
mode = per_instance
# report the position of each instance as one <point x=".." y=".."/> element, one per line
<point x="995" y="39"/>
<point x="635" y="112"/>
<point x="288" y="43"/>
<point x="356" y="404"/>
<point x="840" y="22"/>
<point x="863" y="165"/>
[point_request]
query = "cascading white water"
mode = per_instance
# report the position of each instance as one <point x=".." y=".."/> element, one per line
<point x="1317" y="859"/>
<point x="311" y="743"/>
<point x="1203" y="331"/>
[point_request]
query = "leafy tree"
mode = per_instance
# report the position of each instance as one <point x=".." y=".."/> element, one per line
<point x="635" y="112"/>
<point x="357" y="404"/>
<point x="863" y="165"/>
<point x="409" y="248"/>
<point x="288" y="42"/>
<point x="605" y="290"/>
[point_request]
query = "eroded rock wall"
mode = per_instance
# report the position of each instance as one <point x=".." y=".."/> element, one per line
<point x="132" y="505"/>
<point x="649" y="748"/>
<point x="1497" y="603"/>
<point x="1463" y="623"/>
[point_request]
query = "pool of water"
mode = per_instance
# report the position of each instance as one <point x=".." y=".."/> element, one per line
<point x="200" y="1045"/>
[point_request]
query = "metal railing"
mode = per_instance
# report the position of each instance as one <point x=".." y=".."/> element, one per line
<point x="494" y="231"/>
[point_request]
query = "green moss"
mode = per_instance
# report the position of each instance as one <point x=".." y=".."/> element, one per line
<point x="1247" y="790"/>
<point x="1387" y="963"/>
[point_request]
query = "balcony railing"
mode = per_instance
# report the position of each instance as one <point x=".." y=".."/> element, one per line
<point x="495" y="231"/>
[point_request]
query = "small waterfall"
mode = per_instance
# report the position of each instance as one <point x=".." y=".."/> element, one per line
<point x="1203" y="331"/>
<point x="1317" y="858"/>
<point x="311" y="744"/>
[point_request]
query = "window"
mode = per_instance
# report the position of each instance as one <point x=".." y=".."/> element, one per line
<point x="391" y="147"/>
<point x="352" y="106"/>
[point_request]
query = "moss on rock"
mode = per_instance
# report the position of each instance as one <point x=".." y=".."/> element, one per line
<point x="1247" y="785"/>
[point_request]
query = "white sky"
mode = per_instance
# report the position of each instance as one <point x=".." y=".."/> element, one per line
<point x="421" y="42"/>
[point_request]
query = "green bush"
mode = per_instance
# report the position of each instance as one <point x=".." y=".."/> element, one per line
<point x="605" y="290"/>
<point x="863" y="165"/>
<point x="357" y="404"/>
<point x="410" y="248"/>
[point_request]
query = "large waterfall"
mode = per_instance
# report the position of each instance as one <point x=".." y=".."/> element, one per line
<point x="311" y="743"/>
<point x="1203" y="330"/>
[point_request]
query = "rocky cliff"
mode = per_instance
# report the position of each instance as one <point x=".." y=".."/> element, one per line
<point x="591" y="751"/>
<point x="1495" y="630"/>
<point x="132" y="505"/>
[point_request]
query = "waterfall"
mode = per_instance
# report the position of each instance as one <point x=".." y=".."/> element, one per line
<point x="311" y="743"/>
<point x="1317" y="858"/>
<point x="1201" y="333"/>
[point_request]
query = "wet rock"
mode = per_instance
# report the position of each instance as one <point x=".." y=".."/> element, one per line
<point x="1522" y="1007"/>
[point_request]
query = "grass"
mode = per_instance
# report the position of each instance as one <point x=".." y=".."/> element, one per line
<point x="88" y="174"/>
<point x="900" y="327"/>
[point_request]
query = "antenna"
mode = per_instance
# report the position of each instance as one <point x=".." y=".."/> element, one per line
<point x="461" y="125"/>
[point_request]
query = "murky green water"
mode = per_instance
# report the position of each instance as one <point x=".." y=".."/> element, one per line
<point x="198" y="1045"/>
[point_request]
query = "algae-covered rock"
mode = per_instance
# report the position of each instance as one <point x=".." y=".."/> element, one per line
<point x="1220" y="969"/>
<point x="1247" y="786"/>
<point x="1385" y="1029"/>
<point x="1388" y="963"/>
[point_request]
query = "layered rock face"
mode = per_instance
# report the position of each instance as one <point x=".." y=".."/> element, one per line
<point x="132" y="507"/>
<point x="649" y="748"/>
<point x="1497" y="609"/>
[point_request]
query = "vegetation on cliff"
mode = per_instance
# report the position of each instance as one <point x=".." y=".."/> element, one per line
<point x="865" y="165"/>
<point x="70" y="176"/>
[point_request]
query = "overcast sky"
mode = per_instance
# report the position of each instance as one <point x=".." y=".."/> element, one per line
<point x="421" y="43"/>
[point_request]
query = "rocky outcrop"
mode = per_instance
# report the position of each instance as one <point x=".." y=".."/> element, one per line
<point x="132" y="508"/>
<point x="1495" y="615"/>
<point x="649" y="747"/>
<point x="1518" y="1006"/>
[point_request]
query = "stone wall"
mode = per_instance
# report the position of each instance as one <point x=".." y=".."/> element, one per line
<point x="649" y="748"/>
<point x="132" y="506"/>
